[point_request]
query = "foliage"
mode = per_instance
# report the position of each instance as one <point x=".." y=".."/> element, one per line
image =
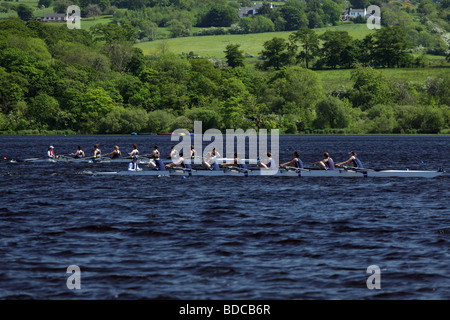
<point x="55" y="78"/>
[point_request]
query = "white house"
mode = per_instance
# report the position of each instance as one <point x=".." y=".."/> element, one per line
<point x="251" y="11"/>
<point x="353" y="13"/>
<point x="55" y="17"/>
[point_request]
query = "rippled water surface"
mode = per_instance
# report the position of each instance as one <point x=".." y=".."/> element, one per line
<point x="224" y="237"/>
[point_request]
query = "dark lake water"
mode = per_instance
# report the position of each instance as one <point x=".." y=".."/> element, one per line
<point x="224" y="237"/>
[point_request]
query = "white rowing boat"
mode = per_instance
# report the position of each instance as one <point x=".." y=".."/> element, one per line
<point x="77" y="160"/>
<point x="143" y="160"/>
<point x="282" y="173"/>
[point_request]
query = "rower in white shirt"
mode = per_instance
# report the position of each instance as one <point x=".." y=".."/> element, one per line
<point x="211" y="160"/>
<point x="268" y="163"/>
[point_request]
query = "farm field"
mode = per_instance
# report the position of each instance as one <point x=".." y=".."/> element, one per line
<point x="214" y="46"/>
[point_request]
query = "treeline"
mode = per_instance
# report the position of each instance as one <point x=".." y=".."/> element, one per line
<point x="388" y="47"/>
<point x="55" y="78"/>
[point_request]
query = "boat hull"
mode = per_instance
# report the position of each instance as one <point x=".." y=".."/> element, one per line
<point x="283" y="173"/>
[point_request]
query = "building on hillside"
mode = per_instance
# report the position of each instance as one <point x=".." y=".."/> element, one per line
<point x="350" y="13"/>
<point x="251" y="11"/>
<point x="55" y="17"/>
<point x="353" y="13"/>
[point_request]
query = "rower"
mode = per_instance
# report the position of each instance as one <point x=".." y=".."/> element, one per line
<point x="134" y="164"/>
<point x="268" y="163"/>
<point x="157" y="164"/>
<point x="97" y="151"/>
<point x="352" y="162"/>
<point x="179" y="162"/>
<point x="237" y="162"/>
<point x="135" y="151"/>
<point x="295" y="162"/>
<point x="193" y="152"/>
<point x="173" y="152"/>
<point x="115" y="153"/>
<point x="51" y="152"/>
<point x="155" y="153"/>
<point x="211" y="160"/>
<point x="326" y="164"/>
<point x="79" y="154"/>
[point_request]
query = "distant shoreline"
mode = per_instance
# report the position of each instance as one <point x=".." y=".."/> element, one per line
<point x="72" y="133"/>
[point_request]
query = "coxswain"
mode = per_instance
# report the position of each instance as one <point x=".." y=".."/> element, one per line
<point x="97" y="151"/>
<point x="79" y="154"/>
<point x="135" y="151"/>
<point x="352" y="162"/>
<point x="51" y="152"/>
<point x="268" y="163"/>
<point x="115" y="153"/>
<point x="296" y="162"/>
<point x="134" y="164"/>
<point x="326" y="164"/>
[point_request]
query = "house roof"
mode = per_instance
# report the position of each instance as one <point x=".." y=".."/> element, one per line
<point x="55" y="15"/>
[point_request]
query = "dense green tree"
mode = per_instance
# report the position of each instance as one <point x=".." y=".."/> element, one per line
<point x="337" y="49"/>
<point x="275" y="54"/>
<point x="332" y="12"/>
<point x="293" y="90"/>
<point x="178" y="29"/>
<point x="60" y="6"/>
<point x="110" y="33"/>
<point x="24" y="12"/>
<point x="294" y="17"/>
<point x="370" y="88"/>
<point x="331" y="113"/>
<point x="44" y="110"/>
<point x="390" y="47"/>
<point x="219" y="15"/>
<point x="235" y="57"/>
<point x="309" y="42"/>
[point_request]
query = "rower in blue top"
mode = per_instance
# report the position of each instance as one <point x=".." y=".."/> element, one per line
<point x="326" y="164"/>
<point x="352" y="162"/>
<point x="296" y="162"/>
<point x="157" y="164"/>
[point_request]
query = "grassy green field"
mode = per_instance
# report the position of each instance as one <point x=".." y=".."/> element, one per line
<point x="340" y="78"/>
<point x="252" y="44"/>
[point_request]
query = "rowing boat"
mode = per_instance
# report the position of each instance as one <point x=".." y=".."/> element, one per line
<point x="74" y="160"/>
<point x="282" y="173"/>
<point x="142" y="160"/>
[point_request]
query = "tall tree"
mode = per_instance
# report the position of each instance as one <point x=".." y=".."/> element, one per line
<point x="275" y="54"/>
<point x="309" y="42"/>
<point x="390" y="45"/>
<point x="336" y="48"/>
